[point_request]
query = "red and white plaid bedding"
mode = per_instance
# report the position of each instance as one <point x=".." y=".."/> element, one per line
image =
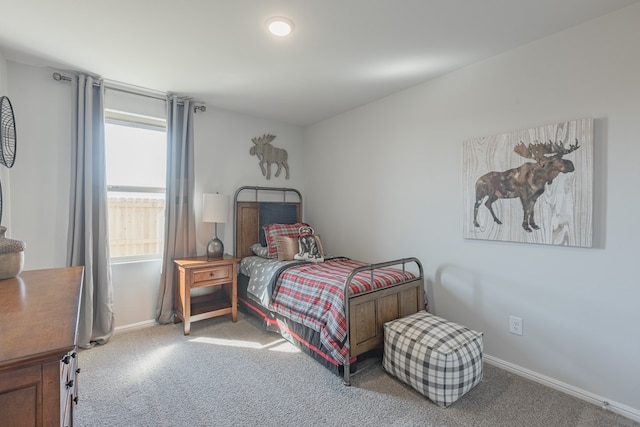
<point x="313" y="294"/>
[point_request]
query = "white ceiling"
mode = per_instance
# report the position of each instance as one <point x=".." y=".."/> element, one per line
<point x="342" y="53"/>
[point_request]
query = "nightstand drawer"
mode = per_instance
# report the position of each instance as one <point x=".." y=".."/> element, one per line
<point x="207" y="276"/>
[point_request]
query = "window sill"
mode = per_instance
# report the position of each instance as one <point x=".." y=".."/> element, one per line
<point x="134" y="260"/>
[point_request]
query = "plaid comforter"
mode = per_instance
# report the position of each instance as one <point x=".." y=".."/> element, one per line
<point x="313" y="294"/>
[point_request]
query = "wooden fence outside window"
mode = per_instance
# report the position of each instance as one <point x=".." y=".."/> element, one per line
<point x="136" y="226"/>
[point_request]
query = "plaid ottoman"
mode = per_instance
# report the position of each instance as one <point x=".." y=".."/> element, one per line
<point x="440" y="359"/>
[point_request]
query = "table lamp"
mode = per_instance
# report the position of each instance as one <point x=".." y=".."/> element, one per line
<point x="215" y="209"/>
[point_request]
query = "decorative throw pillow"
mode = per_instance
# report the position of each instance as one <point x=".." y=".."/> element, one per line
<point x="287" y="247"/>
<point x="273" y="230"/>
<point x="259" y="250"/>
<point x="309" y="246"/>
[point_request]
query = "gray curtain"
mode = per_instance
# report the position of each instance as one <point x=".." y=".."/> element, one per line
<point x="180" y="229"/>
<point x="88" y="240"/>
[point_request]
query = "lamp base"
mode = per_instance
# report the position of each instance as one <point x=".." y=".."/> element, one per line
<point x="215" y="248"/>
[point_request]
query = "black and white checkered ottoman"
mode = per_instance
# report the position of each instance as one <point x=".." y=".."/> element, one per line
<point x="438" y="358"/>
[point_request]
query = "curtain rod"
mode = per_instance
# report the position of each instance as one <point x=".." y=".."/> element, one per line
<point x="61" y="77"/>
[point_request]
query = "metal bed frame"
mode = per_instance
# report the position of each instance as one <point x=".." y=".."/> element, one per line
<point x="387" y="303"/>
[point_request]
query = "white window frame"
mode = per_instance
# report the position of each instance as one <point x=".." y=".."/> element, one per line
<point x="144" y="122"/>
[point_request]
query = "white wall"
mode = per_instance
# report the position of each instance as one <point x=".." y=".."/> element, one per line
<point x="39" y="180"/>
<point x="223" y="163"/>
<point x="394" y="169"/>
<point x="3" y="75"/>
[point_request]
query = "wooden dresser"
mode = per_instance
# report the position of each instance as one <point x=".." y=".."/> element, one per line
<point x="38" y="355"/>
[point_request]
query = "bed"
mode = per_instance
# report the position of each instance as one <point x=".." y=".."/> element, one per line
<point x="333" y="310"/>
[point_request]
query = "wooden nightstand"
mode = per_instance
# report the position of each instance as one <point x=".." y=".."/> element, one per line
<point x="218" y="274"/>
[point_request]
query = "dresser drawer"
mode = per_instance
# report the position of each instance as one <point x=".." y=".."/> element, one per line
<point x="20" y="398"/>
<point x="212" y="275"/>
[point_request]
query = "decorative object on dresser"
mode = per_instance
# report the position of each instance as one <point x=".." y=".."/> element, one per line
<point x="268" y="154"/>
<point x="11" y="255"/>
<point x="215" y="209"/>
<point x="217" y="277"/>
<point x="38" y="349"/>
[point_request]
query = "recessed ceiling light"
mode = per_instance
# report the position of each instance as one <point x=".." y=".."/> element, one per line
<point x="280" y="26"/>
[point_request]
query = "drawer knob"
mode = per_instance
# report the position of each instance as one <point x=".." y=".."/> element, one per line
<point x="212" y="274"/>
<point x="78" y="371"/>
<point x="69" y="384"/>
<point x="75" y="400"/>
<point x="65" y="359"/>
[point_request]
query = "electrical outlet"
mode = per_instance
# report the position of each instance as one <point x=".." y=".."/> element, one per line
<point x="515" y="325"/>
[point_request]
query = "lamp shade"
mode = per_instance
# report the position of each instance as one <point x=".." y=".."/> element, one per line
<point x="215" y="207"/>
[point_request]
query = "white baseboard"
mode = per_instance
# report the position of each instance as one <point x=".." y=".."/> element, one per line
<point x="138" y="325"/>
<point x="604" y="403"/>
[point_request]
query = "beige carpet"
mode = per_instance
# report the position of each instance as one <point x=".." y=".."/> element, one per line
<point x="236" y="374"/>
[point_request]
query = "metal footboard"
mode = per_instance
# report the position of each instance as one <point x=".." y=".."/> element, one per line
<point x="347" y="297"/>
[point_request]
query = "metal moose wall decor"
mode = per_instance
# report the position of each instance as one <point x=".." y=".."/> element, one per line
<point x="547" y="200"/>
<point x="268" y="154"/>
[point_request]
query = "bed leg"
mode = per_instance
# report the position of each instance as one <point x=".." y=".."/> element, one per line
<point x="347" y="373"/>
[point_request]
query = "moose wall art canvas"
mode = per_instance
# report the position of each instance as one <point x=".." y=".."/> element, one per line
<point x="531" y="186"/>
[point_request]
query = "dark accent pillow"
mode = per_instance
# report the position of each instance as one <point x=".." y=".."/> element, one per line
<point x="276" y="213"/>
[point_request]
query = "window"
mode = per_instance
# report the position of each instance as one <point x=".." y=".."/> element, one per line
<point x="136" y="171"/>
